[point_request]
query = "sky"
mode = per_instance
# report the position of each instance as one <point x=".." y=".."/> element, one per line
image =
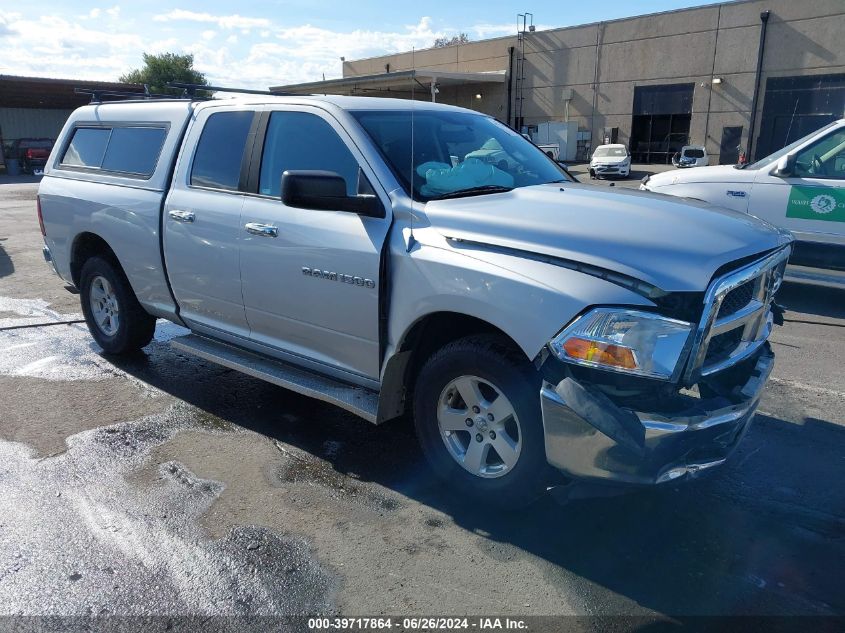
<point x="259" y="43"/>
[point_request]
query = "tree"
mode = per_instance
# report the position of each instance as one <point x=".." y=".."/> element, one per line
<point x="160" y="69"/>
<point x="460" y="38"/>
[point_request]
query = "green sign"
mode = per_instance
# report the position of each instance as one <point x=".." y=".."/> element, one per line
<point x="816" y="203"/>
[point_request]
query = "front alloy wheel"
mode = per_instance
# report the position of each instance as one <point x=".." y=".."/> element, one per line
<point x="479" y="426"/>
<point x="477" y="417"/>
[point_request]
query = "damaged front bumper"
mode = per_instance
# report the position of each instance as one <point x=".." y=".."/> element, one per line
<point x="588" y="436"/>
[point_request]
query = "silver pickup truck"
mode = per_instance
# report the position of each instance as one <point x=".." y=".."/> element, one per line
<point x="355" y="250"/>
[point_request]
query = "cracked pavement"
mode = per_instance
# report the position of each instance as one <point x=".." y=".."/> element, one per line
<point x="161" y="484"/>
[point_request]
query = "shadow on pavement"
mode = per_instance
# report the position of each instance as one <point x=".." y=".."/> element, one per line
<point x="21" y="179"/>
<point x="6" y="265"/>
<point x="763" y="534"/>
<point x="810" y="299"/>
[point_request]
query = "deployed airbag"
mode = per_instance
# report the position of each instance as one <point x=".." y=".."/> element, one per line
<point x="442" y="178"/>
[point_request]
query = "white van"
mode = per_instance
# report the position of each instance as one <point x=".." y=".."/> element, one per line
<point x="800" y="188"/>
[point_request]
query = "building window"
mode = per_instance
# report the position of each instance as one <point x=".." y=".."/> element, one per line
<point x="661" y="122"/>
<point x="796" y="106"/>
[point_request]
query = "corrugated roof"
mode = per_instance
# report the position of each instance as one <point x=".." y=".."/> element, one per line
<point x="41" y="92"/>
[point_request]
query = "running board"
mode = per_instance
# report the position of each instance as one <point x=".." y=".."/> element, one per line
<point x="358" y="400"/>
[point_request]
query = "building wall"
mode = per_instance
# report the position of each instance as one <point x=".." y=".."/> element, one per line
<point x="602" y="63"/>
<point x="31" y="123"/>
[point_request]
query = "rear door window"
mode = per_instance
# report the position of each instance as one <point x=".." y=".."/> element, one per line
<point x="220" y="151"/>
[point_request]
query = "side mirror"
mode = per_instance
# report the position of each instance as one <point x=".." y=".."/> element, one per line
<point x="785" y="166"/>
<point x="326" y="191"/>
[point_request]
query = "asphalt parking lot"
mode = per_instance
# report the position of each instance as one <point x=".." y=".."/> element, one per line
<point x="582" y="172"/>
<point x="162" y="484"/>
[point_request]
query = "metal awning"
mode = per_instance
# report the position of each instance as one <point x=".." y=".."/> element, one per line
<point x="400" y="81"/>
<point x="38" y="92"/>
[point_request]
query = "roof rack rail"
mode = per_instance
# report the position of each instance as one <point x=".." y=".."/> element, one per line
<point x="97" y="94"/>
<point x="190" y="90"/>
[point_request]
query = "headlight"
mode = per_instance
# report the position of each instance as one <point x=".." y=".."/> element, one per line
<point x="627" y="341"/>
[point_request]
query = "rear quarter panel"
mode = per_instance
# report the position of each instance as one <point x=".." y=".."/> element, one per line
<point x="122" y="210"/>
<point x="126" y="218"/>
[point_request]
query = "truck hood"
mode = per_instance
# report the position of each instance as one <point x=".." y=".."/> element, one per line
<point x="609" y="160"/>
<point x="717" y="173"/>
<point x="672" y="243"/>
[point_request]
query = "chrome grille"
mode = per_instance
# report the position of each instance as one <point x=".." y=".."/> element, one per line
<point x="722" y="345"/>
<point x="737" y="299"/>
<point x="737" y="318"/>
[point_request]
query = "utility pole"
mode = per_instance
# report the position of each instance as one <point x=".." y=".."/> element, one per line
<point x="524" y="25"/>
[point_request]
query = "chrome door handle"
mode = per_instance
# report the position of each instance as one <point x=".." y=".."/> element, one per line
<point x="182" y="216"/>
<point x="264" y="230"/>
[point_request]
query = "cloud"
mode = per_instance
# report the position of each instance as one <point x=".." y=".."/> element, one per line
<point x="222" y="21"/>
<point x="271" y="54"/>
<point x="486" y="31"/>
<point x="6" y="28"/>
<point x="53" y="46"/>
<point x="94" y="13"/>
<point x="114" y="12"/>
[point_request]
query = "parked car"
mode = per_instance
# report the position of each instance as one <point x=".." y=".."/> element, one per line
<point x="610" y="160"/>
<point x="800" y="188"/>
<point x="691" y="156"/>
<point x="31" y="152"/>
<point x="527" y="322"/>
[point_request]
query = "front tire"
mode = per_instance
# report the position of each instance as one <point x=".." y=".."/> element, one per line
<point x="114" y="317"/>
<point x="478" y="421"/>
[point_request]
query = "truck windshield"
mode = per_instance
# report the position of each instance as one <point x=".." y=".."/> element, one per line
<point x="456" y="153"/>
<point x="604" y="152"/>
<point x="771" y="158"/>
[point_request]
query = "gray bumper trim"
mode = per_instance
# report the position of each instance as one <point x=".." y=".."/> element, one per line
<point x="587" y="436"/>
<point x="48" y="257"/>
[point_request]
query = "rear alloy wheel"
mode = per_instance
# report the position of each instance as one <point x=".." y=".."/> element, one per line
<point x="477" y="417"/>
<point x="114" y="317"/>
<point x="104" y="306"/>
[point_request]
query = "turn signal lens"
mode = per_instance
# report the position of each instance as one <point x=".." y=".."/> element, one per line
<point x="602" y="353"/>
<point x="625" y="340"/>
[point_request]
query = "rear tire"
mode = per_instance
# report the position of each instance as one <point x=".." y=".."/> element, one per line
<point x="114" y="317"/>
<point x="500" y="459"/>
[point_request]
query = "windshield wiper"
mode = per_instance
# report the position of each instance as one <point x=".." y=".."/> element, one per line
<point x="473" y="191"/>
